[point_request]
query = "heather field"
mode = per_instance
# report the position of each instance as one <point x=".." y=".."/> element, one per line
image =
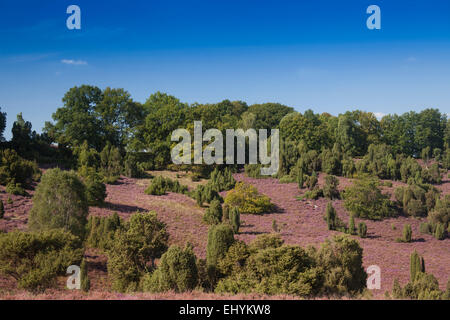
<point x="300" y="222"/>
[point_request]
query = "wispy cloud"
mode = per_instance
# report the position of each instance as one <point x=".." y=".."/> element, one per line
<point x="379" y="115"/>
<point x="74" y="62"/>
<point x="411" y="59"/>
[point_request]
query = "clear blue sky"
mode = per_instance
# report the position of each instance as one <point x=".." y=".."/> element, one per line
<point x="306" y="54"/>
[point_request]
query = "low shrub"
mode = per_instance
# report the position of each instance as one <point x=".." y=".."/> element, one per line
<point x="15" y="189"/>
<point x="35" y="260"/>
<point x="362" y="230"/>
<point x="177" y="271"/>
<point x="133" y="252"/>
<point x="213" y="214"/>
<point x="247" y="199"/>
<point x="365" y="200"/>
<point x="330" y="189"/>
<point x="160" y="185"/>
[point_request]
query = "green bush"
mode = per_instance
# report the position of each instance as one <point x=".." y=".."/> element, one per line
<point x="206" y="194"/>
<point x="311" y="181"/>
<point x="213" y="215"/>
<point x="426" y="228"/>
<point x="234" y="217"/>
<point x="85" y="282"/>
<point x="330" y="189"/>
<point x="407" y="233"/>
<point x="247" y="199"/>
<point x="254" y="171"/>
<point x="439" y="233"/>
<point x="101" y="231"/>
<point x="220" y="238"/>
<point x="351" y="225"/>
<point x="14" y="169"/>
<point x="342" y="260"/>
<point x="134" y="250"/>
<point x="132" y="167"/>
<point x="16" y="189"/>
<point x="222" y="180"/>
<point x="365" y="200"/>
<point x="268" y="267"/>
<point x="59" y="202"/>
<point x="441" y="212"/>
<point x="35" y="260"/>
<point x="266" y="241"/>
<point x="300" y="179"/>
<point x="111" y="162"/>
<point x="416" y="265"/>
<point x="362" y="230"/>
<point x="95" y="189"/>
<point x="331" y="217"/>
<point x="422" y="286"/>
<point x="160" y="185"/>
<point x="177" y="271"/>
<point x="313" y="194"/>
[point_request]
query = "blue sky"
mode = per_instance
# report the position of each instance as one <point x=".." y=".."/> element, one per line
<point x="305" y="54"/>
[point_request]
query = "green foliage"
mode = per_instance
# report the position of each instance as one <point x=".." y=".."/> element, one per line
<point x="426" y="228"/>
<point x="311" y="181"/>
<point x="300" y="179"/>
<point x="222" y="180"/>
<point x="213" y="215"/>
<point x="111" y="162"/>
<point x="365" y="200"/>
<point x="132" y="168"/>
<point x="269" y="267"/>
<point x="35" y="260"/>
<point x="135" y="249"/>
<point x="331" y="162"/>
<point x="85" y="282"/>
<point x="177" y="271"/>
<point x="362" y="229"/>
<point x="95" y="189"/>
<point x="441" y="212"/>
<point x="234" y="218"/>
<point x="246" y="198"/>
<point x="351" y="225"/>
<point x="342" y="260"/>
<point x="407" y="233"/>
<point x="439" y="232"/>
<point x="415" y="199"/>
<point x="15" y="170"/>
<point x="59" y="202"/>
<point x="422" y="286"/>
<point x="331" y="217"/>
<point x="330" y="189"/>
<point x="101" y="231"/>
<point x="206" y="193"/>
<point x="379" y="162"/>
<point x="266" y="241"/>
<point x="254" y="171"/>
<point x="313" y="194"/>
<point x="160" y="185"/>
<point x="220" y="238"/>
<point x="90" y="114"/>
<point x="416" y="265"/>
<point x="431" y="174"/>
<point x="16" y="189"/>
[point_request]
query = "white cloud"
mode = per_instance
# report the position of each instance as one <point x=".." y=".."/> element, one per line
<point x="74" y="62"/>
<point x="379" y="115"/>
<point x="411" y="59"/>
